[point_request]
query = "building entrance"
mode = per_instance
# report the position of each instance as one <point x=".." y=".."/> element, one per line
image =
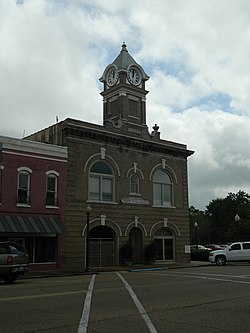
<point x="102" y="247"/>
<point x="165" y="241"/>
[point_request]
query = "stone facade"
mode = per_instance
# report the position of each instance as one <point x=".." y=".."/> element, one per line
<point x="113" y="168"/>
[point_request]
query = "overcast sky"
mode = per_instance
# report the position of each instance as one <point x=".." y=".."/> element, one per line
<point x="197" y="54"/>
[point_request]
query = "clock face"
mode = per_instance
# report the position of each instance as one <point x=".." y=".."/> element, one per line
<point x="134" y="76"/>
<point x="112" y="77"/>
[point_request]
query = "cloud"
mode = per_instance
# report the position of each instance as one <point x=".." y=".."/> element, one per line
<point x="196" y="54"/>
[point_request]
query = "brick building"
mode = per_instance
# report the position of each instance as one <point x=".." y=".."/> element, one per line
<point x="135" y="183"/>
<point x="33" y="199"/>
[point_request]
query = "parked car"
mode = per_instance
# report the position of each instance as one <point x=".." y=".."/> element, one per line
<point x="200" y="247"/>
<point x="223" y="246"/>
<point x="239" y="251"/>
<point x="14" y="261"/>
<point x="213" y="247"/>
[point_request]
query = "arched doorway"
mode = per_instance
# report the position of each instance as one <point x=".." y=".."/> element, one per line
<point x="136" y="239"/>
<point x="164" y="238"/>
<point x="102" y="247"/>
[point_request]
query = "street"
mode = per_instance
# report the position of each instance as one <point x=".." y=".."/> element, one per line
<point x="201" y="299"/>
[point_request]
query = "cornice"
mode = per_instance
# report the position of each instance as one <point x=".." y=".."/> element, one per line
<point x="164" y="147"/>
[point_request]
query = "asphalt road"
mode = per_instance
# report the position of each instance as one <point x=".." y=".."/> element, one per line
<point x="188" y="300"/>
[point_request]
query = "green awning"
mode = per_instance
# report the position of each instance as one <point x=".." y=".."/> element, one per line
<point x="30" y="224"/>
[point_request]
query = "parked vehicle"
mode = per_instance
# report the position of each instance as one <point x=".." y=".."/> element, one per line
<point x="14" y="261"/>
<point x="239" y="251"/>
<point x="200" y="247"/>
<point x="213" y="247"/>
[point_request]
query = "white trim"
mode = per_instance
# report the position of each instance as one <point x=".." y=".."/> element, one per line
<point x="136" y="224"/>
<point x="52" y="172"/>
<point x="101" y="159"/>
<point x="167" y="168"/>
<point x="100" y="223"/>
<point x="24" y="169"/>
<point x="35" y="156"/>
<point x="32" y="147"/>
<point x="171" y="226"/>
<point x="137" y="171"/>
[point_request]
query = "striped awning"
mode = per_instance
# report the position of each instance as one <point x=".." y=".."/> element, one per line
<point x="30" y="224"/>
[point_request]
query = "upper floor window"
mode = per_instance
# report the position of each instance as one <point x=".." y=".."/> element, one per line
<point x="101" y="182"/>
<point x="134" y="184"/>
<point x="23" y="190"/>
<point x="51" y="189"/>
<point x="162" y="188"/>
<point x="1" y="181"/>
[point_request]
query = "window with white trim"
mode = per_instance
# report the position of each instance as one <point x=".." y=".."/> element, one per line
<point x="134" y="184"/>
<point x="23" y="190"/>
<point x="162" y="189"/>
<point x="101" y="182"/>
<point x="51" y="190"/>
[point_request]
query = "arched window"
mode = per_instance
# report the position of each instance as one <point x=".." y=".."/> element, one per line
<point x="101" y="182"/>
<point x="134" y="184"/>
<point x="51" y="189"/>
<point x="23" y="187"/>
<point x="162" y="188"/>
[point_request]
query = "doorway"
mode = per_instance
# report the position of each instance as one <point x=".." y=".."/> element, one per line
<point x="164" y="239"/>
<point x="102" y="247"/>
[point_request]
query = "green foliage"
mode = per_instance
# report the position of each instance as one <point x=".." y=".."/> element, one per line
<point x="151" y="251"/>
<point x="199" y="255"/>
<point x="127" y="251"/>
<point x="217" y="224"/>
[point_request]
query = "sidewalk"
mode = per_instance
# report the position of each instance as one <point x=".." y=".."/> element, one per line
<point x="133" y="268"/>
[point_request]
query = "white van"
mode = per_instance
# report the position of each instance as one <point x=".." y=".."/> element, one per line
<point x="239" y="251"/>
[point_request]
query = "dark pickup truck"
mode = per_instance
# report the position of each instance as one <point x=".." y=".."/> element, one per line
<point x="14" y="261"/>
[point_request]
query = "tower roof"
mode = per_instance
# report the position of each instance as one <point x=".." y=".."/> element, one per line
<point x="122" y="62"/>
<point x="124" y="59"/>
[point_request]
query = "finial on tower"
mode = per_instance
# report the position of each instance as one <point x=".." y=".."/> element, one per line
<point x="124" y="47"/>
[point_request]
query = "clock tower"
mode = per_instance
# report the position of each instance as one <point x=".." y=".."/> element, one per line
<point x="124" y="96"/>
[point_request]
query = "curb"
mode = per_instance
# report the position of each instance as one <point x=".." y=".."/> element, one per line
<point x="49" y="274"/>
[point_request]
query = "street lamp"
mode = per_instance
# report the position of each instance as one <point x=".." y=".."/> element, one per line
<point x="88" y="211"/>
<point x="196" y="226"/>
<point x="237" y="219"/>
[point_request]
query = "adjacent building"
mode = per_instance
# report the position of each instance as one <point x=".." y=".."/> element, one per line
<point x="135" y="183"/>
<point x="33" y="199"/>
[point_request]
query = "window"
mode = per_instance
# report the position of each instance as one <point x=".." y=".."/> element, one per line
<point x="162" y="188"/>
<point x="101" y="182"/>
<point x="134" y="184"/>
<point x="235" y="247"/>
<point x="51" y="190"/>
<point x="165" y="243"/>
<point x="41" y="249"/>
<point x="23" y="191"/>
<point x="1" y="181"/>
<point x="246" y="246"/>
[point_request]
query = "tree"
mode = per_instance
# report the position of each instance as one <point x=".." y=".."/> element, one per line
<point x="196" y="215"/>
<point x="220" y="215"/>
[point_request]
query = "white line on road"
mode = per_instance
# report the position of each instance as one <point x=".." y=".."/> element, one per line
<point x="139" y="306"/>
<point x="83" y="325"/>
<point x="202" y="277"/>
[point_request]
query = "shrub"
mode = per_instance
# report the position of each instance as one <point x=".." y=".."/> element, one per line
<point x="199" y="255"/>
<point x="151" y="251"/>
<point x="127" y="251"/>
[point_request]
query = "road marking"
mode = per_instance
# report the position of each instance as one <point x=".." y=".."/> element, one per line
<point x="204" y="278"/>
<point x="216" y="274"/>
<point x="17" y="298"/>
<point x="139" y="306"/>
<point x="83" y="325"/>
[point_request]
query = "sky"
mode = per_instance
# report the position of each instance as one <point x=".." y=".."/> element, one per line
<point x="197" y="54"/>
